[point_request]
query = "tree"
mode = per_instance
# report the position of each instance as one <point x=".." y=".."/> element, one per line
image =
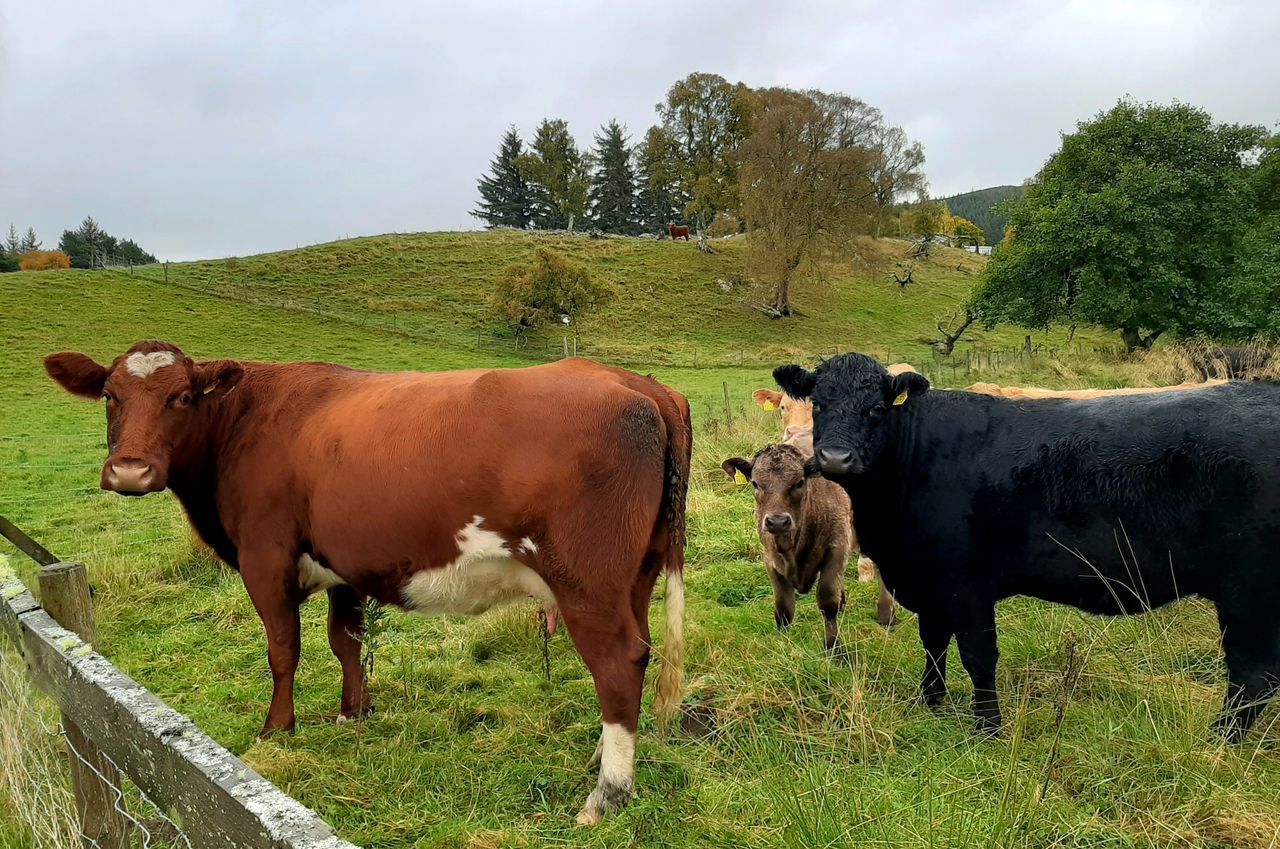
<point x="504" y="194"/>
<point x="925" y="219"/>
<point x="1133" y="225"/>
<point x="659" y="201"/>
<point x="558" y="177"/>
<point x="612" y="195"/>
<point x="29" y="241"/>
<point x="804" y="185"/>
<point x="552" y="290"/>
<point x="706" y="118"/>
<point x="896" y="171"/>
<point x="963" y="231"/>
<point x="89" y="246"/>
<point x="12" y="244"/>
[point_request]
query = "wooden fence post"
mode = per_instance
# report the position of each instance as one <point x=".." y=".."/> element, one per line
<point x="64" y="594"/>
<point x="166" y="272"/>
<point x="728" y="414"/>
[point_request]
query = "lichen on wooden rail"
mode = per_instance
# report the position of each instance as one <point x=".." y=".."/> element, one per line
<point x="217" y="800"/>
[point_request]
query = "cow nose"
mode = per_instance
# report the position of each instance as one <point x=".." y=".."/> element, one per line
<point x="777" y="523"/>
<point x="128" y="477"/>
<point x="835" y="461"/>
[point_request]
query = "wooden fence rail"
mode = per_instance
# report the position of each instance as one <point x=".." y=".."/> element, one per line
<point x="215" y="798"/>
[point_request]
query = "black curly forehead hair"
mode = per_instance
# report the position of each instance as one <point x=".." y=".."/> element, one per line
<point x="841" y="370"/>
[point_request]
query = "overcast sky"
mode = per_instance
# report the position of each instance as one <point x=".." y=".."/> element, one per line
<point x="205" y="129"/>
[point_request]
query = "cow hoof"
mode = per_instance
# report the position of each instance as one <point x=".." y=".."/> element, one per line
<point x="604" y="798"/>
<point x="346" y="716"/>
<point x="270" y="731"/>
<point x="987" y="727"/>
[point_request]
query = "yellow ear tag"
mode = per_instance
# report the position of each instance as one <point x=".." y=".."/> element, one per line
<point x="768" y="405"/>
<point x="901" y="399"/>
<point x="739" y="478"/>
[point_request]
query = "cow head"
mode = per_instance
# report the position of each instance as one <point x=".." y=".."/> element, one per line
<point x="154" y="395"/>
<point x="797" y="414"/>
<point x="852" y="397"/>
<point x="780" y="477"/>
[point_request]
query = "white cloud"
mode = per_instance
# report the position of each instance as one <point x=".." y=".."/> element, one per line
<point x="229" y="128"/>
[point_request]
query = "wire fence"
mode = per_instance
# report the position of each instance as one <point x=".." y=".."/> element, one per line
<point x="146" y="830"/>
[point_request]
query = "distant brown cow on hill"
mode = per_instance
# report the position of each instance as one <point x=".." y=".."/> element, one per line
<point x="678" y="231"/>
<point x="444" y="493"/>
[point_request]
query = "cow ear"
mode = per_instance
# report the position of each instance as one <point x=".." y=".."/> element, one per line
<point x="767" y="399"/>
<point x="796" y="381"/>
<point x="215" y="378"/>
<point x="76" y="373"/>
<point x="735" y="466"/>
<point x="907" y="385"/>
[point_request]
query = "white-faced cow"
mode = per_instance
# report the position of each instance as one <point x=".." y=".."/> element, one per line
<point x="1113" y="505"/>
<point x="441" y="493"/>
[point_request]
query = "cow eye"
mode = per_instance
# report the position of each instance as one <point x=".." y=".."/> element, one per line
<point x="185" y="399"/>
<point x="106" y="396"/>
<point x="876" y="412"/>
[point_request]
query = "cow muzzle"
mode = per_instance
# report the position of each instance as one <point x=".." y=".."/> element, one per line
<point x="131" y="477"/>
<point x="778" y="523"/>
<point x="835" y="462"/>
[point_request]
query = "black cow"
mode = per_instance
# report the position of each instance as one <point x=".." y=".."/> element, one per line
<point x="1112" y="505"/>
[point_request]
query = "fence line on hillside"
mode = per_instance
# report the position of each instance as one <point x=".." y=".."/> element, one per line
<point x="552" y="343"/>
<point x="196" y="792"/>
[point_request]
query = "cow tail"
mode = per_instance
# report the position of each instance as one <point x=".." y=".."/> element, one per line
<point x="678" y="459"/>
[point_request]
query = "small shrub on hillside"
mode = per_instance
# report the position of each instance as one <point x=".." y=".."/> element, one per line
<point x="7" y="263"/>
<point x="43" y="260"/>
<point x="547" y="291"/>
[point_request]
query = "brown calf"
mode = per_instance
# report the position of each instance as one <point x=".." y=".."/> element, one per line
<point x="803" y="521"/>
<point x="440" y="493"/>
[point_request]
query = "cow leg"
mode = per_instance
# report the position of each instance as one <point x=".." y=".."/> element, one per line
<point x="935" y="636"/>
<point x="269" y="582"/>
<point x="885" y="608"/>
<point x="976" y="639"/>
<point x="830" y="600"/>
<point x="346" y="630"/>
<point x="784" y="601"/>
<point x="608" y="639"/>
<point x="1252" y="647"/>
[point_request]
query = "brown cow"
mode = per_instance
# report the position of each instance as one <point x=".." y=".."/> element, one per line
<point x="804" y="526"/>
<point x="441" y="493"/>
<point x="678" y="231"/>
<point x="1028" y="393"/>
<point x="797" y="430"/>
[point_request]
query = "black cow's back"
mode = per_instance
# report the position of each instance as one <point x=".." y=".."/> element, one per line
<point x="1112" y="505"/>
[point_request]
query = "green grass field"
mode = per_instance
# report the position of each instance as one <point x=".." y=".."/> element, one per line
<point x="471" y="745"/>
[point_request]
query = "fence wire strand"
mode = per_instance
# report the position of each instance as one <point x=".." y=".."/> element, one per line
<point x="135" y="825"/>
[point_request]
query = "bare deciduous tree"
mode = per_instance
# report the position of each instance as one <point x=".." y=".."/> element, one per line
<point x="954" y="329"/>
<point x="805" y="183"/>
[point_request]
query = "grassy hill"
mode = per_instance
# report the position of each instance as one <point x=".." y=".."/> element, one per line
<point x="672" y="307"/>
<point x="471" y="745"/>
<point x="978" y="207"/>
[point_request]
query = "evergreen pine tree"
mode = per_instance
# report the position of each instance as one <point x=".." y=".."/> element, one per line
<point x="558" y="177"/>
<point x="658" y="202"/>
<point x="29" y="241"/>
<point x="13" y="245"/>
<point x="504" y="194"/>
<point x="612" y="197"/>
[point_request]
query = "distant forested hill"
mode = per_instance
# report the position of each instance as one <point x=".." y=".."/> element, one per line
<point x="977" y="207"/>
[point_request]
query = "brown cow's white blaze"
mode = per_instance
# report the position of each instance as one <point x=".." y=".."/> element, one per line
<point x="485" y="574"/>
<point x="142" y="365"/>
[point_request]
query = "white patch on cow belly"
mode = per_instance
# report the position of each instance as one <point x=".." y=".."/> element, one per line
<point x="484" y="575"/>
<point x="313" y="577"/>
<point x="140" y="365"/>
